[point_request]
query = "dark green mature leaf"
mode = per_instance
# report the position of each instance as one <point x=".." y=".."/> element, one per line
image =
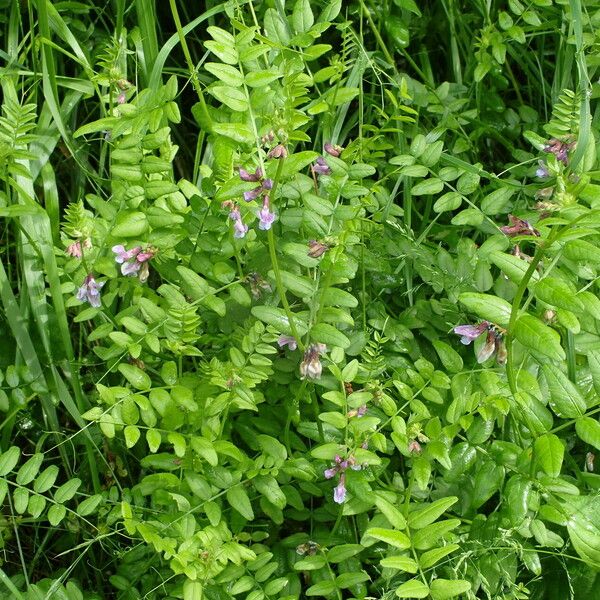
<point x="533" y="334"/>
<point x="565" y="399"/>
<point x="588" y="430"/>
<point x="488" y="307"/>
<point x="549" y="453"/>
<point x="557" y="293"/>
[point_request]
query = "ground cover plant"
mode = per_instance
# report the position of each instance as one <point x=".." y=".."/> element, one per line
<point x="299" y="299"/>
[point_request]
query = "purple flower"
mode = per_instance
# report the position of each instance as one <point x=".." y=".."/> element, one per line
<point x="287" y="340"/>
<point x="321" y="167"/>
<point x="130" y="268"/>
<point x="253" y="194"/>
<point x="265" y="216"/>
<point x="123" y="255"/>
<point x="542" y="170"/>
<point x="560" y="149"/>
<point x="470" y="332"/>
<point x="121" y="98"/>
<point x="339" y="492"/>
<point x="90" y="291"/>
<point x="518" y="227"/>
<point x="333" y="150"/>
<point x="256" y="176"/>
<point x="239" y="229"/>
<point x="330" y="473"/>
<point x="278" y="151"/>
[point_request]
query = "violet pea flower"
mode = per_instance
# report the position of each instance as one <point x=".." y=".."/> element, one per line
<point x="90" y="291"/>
<point x="287" y="340"/>
<point x="339" y="492"/>
<point x="470" y="332"/>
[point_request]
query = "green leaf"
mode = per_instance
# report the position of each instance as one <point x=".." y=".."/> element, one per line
<point x="323" y="588"/>
<point x="302" y="16"/>
<point x="513" y="267"/>
<point x="400" y="563"/>
<point x="297" y="284"/>
<point x="565" y="399"/>
<point x="36" y="506"/>
<point x="226" y="73"/>
<point x="346" y="580"/>
<point x="89" y="505"/>
<point x="533" y="334"/>
<point x="414" y="588"/>
<point x="56" y="513"/>
<point x="584" y="528"/>
<point x="239" y="132"/>
<point x="426" y="538"/>
<point x="29" y="470"/>
<point x="132" y="435"/>
<point x="130" y="224"/>
<point x="557" y="293"/>
<point x="135" y="376"/>
<point x="329" y="335"/>
<point x="496" y="201"/>
<point x="8" y="460"/>
<point x="487" y="307"/>
<point x="449" y="201"/>
<point x="431" y="557"/>
<point x="588" y="430"/>
<point x="67" y="490"/>
<point x="429" y="513"/>
<point x="192" y="590"/>
<point x="391" y="513"/>
<point x="232" y="97"/>
<point x="238" y="499"/>
<point x="343" y="552"/>
<point x="433" y="185"/>
<point x="154" y="439"/>
<point x="442" y="589"/>
<point x="549" y="452"/>
<point x="45" y="479"/>
<point x="389" y="536"/>
<point x="20" y="500"/>
<point x="593" y="357"/>
<point x="277" y="317"/>
<point x="205" y="449"/>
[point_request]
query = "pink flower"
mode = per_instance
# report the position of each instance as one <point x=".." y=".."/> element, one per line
<point x="123" y="255"/>
<point x="316" y="249"/>
<point x="278" y="151"/>
<point x="266" y="217"/>
<point x="121" y="98"/>
<point x="333" y="150"/>
<point x="90" y="291"/>
<point x="287" y="340"/>
<point x="518" y="227"/>
<point x="74" y="250"/>
<point x="414" y="447"/>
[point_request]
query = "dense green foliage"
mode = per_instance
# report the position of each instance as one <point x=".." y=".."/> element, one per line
<point x="241" y="246"/>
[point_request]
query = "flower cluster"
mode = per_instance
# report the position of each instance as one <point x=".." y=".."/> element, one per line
<point x="76" y="248"/>
<point x="560" y="149"/>
<point x="518" y="227"/>
<point x="494" y="343"/>
<point x="310" y="367"/>
<point x="339" y="467"/>
<point x="133" y="262"/>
